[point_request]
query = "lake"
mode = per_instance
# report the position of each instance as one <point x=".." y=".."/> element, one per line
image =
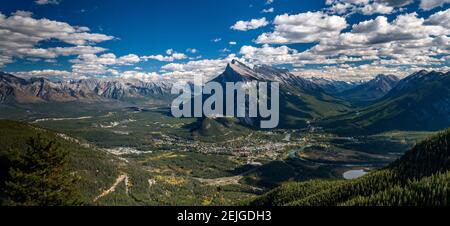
<point x="353" y="174"/>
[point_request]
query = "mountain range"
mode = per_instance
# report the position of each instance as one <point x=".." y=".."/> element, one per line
<point x="334" y="86"/>
<point x="417" y="102"/>
<point x="420" y="101"/>
<point x="35" y="90"/>
<point x="300" y="99"/>
<point x="369" y="91"/>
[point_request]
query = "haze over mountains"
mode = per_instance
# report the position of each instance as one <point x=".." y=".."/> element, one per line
<point x="420" y="101"/>
<point x="371" y="90"/>
<point x="334" y="86"/>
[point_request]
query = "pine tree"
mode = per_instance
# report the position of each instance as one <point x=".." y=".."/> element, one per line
<point x="39" y="176"/>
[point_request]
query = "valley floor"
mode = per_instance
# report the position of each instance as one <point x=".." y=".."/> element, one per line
<point x="161" y="162"/>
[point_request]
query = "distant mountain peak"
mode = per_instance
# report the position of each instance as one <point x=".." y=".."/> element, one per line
<point x="418" y="74"/>
<point x="414" y="81"/>
<point x="386" y="77"/>
<point x="420" y="101"/>
<point x="422" y="72"/>
<point x="10" y="78"/>
<point x="237" y="62"/>
<point x="237" y="66"/>
<point x="333" y="86"/>
<point x="371" y="90"/>
<point x="238" y="71"/>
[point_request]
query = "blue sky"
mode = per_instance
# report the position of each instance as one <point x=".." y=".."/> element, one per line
<point x="180" y="38"/>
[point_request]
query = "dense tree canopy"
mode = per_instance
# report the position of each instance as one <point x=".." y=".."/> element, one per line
<point x="38" y="175"/>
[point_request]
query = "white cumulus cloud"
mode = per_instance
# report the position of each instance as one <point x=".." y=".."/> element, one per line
<point x="269" y="10"/>
<point x="20" y="33"/>
<point x="250" y="25"/>
<point x="47" y="2"/>
<point x="303" y="28"/>
<point x="431" y="4"/>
